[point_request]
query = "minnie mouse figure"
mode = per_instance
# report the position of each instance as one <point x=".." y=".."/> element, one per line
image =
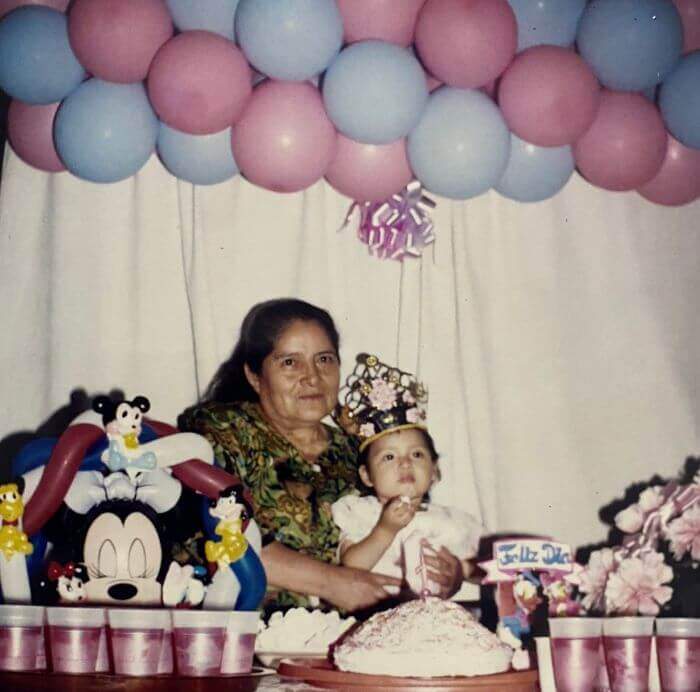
<point x="64" y="583"/>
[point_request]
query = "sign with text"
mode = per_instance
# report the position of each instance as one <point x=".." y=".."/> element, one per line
<point x="511" y="557"/>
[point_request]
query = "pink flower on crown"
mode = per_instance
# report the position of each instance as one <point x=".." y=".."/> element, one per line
<point x="413" y="415"/>
<point x="593" y="578"/>
<point x="383" y="395"/>
<point x="638" y="585"/>
<point x="366" y="430"/>
<point x="684" y="533"/>
<point x="408" y="397"/>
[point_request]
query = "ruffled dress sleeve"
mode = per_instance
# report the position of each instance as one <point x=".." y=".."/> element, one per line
<point x="355" y="516"/>
<point x="454" y="529"/>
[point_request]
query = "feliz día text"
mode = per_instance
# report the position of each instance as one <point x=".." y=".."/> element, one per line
<point x="533" y="554"/>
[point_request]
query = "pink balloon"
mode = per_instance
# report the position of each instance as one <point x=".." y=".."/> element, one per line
<point x="690" y="16"/>
<point x="678" y="180"/>
<point x="548" y="96"/>
<point x="9" y="5"/>
<point x="30" y="131"/>
<point x="626" y="144"/>
<point x="116" y="40"/>
<point x="385" y="20"/>
<point x="369" y="172"/>
<point x="466" y="43"/>
<point x="284" y="140"/>
<point x="199" y="82"/>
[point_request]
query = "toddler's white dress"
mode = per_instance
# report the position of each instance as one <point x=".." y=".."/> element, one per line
<point x="457" y="531"/>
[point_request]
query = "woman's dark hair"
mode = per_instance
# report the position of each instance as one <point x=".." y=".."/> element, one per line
<point x="260" y="330"/>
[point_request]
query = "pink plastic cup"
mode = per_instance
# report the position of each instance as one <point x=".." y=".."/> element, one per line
<point x="139" y="643"/>
<point x="575" y="644"/>
<point x="627" y="645"/>
<point x="239" y="648"/>
<point x="22" y="638"/>
<point x="678" y="653"/>
<point x="199" y="637"/>
<point x="78" y="640"/>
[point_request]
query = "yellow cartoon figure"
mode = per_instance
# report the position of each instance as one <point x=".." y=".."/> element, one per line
<point x="231" y="512"/>
<point x="12" y="539"/>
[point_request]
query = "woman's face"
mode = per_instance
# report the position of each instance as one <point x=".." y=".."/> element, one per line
<point x="299" y="380"/>
<point x="399" y="465"/>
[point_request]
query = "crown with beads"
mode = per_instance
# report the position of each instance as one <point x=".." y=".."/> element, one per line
<point x="378" y="398"/>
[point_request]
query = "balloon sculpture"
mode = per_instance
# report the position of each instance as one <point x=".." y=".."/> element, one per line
<point x="458" y="96"/>
<point x="117" y="489"/>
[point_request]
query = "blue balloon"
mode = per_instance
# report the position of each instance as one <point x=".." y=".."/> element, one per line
<point x="289" y="39"/>
<point x="198" y="159"/>
<point x="105" y="132"/>
<point x="216" y="16"/>
<point x="375" y="92"/>
<point x="630" y="44"/>
<point x="535" y="173"/>
<point x="547" y="22"/>
<point x="461" y="145"/>
<point x="37" y="64"/>
<point x="679" y="101"/>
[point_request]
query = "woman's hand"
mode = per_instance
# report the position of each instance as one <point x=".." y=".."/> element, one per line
<point x="444" y="569"/>
<point x="354" y="589"/>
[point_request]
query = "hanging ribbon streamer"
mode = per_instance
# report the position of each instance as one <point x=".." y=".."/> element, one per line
<point x="398" y="227"/>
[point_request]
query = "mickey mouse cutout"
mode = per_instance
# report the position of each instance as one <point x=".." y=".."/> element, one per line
<point x="119" y="521"/>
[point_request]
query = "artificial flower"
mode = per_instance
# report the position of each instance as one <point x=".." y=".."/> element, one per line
<point x="366" y="430"/>
<point x="683" y="533"/>
<point x="630" y="519"/>
<point x="652" y="498"/>
<point x="638" y="585"/>
<point x="383" y="395"/>
<point x="413" y="415"/>
<point x="592" y="580"/>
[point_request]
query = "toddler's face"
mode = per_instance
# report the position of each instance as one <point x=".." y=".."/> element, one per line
<point x="399" y="464"/>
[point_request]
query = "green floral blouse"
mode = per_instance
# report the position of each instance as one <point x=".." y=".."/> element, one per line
<point x="291" y="497"/>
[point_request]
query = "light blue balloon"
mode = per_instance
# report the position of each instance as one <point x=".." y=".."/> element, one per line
<point x="198" y="159"/>
<point x="460" y="147"/>
<point x="375" y="92"/>
<point x="105" y="132"/>
<point x="37" y="64"/>
<point x="535" y="173"/>
<point x="547" y="22"/>
<point x="216" y="16"/>
<point x="679" y="101"/>
<point x="289" y="39"/>
<point x="630" y="44"/>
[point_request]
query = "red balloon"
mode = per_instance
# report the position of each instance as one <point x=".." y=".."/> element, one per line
<point x="9" y="5"/>
<point x="284" y="141"/>
<point x="199" y="82"/>
<point x="690" y="16"/>
<point x="60" y="471"/>
<point x="369" y="172"/>
<point x="30" y="131"/>
<point x="626" y="144"/>
<point x="548" y="96"/>
<point x="116" y="40"/>
<point x="466" y="43"/>
<point x="384" y="20"/>
<point x="678" y="180"/>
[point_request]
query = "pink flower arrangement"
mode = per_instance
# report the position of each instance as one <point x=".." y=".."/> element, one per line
<point x="661" y="530"/>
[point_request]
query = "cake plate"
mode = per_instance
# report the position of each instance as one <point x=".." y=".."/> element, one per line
<point x="321" y="673"/>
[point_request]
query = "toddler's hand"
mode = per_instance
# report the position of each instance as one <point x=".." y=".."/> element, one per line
<point x="396" y="514"/>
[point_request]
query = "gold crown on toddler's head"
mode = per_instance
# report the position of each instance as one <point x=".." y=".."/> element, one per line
<point x="377" y="399"/>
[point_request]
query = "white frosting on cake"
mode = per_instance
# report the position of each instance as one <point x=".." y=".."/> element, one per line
<point x="423" y="638"/>
<point x="300" y="630"/>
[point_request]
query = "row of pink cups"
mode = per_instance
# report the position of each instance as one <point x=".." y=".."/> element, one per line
<point x="127" y="641"/>
<point x="625" y="644"/>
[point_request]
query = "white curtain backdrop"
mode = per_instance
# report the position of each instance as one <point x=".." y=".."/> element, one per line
<point x="558" y="340"/>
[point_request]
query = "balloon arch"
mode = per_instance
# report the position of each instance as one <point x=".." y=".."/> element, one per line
<point x="461" y="95"/>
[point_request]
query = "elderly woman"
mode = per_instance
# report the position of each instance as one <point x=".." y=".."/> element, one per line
<point x="263" y="415"/>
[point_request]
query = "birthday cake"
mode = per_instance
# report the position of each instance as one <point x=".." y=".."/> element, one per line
<point x="423" y="638"/>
